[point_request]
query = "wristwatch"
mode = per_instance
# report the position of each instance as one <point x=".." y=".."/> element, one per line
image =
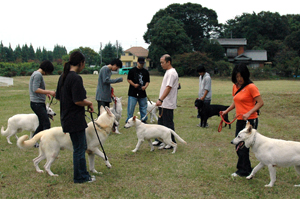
<point x="161" y="100"/>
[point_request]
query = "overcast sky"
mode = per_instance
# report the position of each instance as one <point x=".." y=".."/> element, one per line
<point x="73" y="23"/>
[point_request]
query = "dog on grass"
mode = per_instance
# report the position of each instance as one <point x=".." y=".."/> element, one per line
<point x="54" y="139"/>
<point x="117" y="111"/>
<point x="152" y="109"/>
<point x="23" y="122"/>
<point x="150" y="131"/>
<point x="206" y="112"/>
<point x="270" y="152"/>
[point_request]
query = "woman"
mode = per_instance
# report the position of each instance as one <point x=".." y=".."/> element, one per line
<point x="247" y="101"/>
<point x="72" y="97"/>
<point x="38" y="95"/>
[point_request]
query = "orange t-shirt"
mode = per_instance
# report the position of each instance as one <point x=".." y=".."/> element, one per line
<point x="244" y="101"/>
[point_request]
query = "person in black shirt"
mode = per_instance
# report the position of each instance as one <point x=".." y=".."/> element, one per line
<point x="72" y="96"/>
<point x="138" y="79"/>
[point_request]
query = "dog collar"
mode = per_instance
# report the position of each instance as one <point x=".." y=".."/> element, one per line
<point x="254" y="139"/>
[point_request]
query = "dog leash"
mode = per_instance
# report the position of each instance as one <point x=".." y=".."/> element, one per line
<point x="148" y="113"/>
<point x="98" y="135"/>
<point x="223" y="120"/>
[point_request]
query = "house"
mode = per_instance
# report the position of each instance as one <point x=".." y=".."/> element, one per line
<point x="236" y="53"/>
<point x="131" y="55"/>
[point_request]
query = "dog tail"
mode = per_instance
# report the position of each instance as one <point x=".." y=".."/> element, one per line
<point x="4" y="132"/>
<point x="23" y="143"/>
<point x="178" y="138"/>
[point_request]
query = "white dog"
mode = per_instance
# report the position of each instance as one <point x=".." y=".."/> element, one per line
<point x="149" y="131"/>
<point x="23" y="122"/>
<point x="54" y="139"/>
<point x="270" y="152"/>
<point x="117" y="110"/>
<point x="152" y="109"/>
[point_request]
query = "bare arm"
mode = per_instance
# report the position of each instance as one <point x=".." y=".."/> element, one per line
<point x="45" y="92"/>
<point x="164" y="95"/>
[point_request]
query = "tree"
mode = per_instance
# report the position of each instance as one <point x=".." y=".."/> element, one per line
<point x="24" y="53"/>
<point x="31" y="53"/>
<point x="198" y="22"/>
<point x="293" y="41"/>
<point x="168" y="36"/>
<point x="186" y="64"/>
<point x="214" y="50"/>
<point x="90" y="55"/>
<point x="18" y="53"/>
<point x="109" y="52"/>
<point x="38" y="54"/>
<point x="58" y="52"/>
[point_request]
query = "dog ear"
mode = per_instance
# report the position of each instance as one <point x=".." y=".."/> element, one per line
<point x="249" y="128"/>
<point x="134" y="117"/>
<point x="102" y="109"/>
<point x="47" y="105"/>
<point x="108" y="111"/>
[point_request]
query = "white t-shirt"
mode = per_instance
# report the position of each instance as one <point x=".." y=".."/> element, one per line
<point x="170" y="79"/>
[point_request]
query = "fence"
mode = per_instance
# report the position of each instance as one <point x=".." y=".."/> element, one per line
<point x="6" y="81"/>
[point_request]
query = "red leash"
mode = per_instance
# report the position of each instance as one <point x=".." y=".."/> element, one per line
<point x="221" y="123"/>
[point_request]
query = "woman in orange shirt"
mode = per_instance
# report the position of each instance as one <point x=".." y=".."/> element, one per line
<point x="246" y="101"/>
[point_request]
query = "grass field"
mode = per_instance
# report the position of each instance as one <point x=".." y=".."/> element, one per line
<point x="200" y="169"/>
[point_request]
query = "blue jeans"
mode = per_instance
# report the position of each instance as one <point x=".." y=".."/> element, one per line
<point x="131" y="106"/>
<point x="79" y="163"/>
<point x="40" y="110"/>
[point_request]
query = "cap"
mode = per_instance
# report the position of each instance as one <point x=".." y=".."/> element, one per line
<point x="141" y="60"/>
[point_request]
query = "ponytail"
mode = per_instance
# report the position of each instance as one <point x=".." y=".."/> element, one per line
<point x="75" y="59"/>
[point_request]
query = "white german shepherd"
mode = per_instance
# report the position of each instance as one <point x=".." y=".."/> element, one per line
<point x="117" y="111"/>
<point x="54" y="139"/>
<point x="23" y="122"/>
<point x="152" y="109"/>
<point x="149" y="131"/>
<point x="270" y="152"/>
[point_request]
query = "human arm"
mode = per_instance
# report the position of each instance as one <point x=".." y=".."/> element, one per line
<point x="146" y="85"/>
<point x="87" y="103"/>
<point x="204" y="95"/>
<point x="258" y="105"/>
<point x="163" y="96"/>
<point x="132" y="83"/>
<point x="45" y="92"/>
<point x="231" y="107"/>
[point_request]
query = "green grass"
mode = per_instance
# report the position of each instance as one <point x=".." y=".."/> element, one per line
<point x="200" y="169"/>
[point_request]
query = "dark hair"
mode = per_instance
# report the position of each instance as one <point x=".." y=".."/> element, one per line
<point x="243" y="70"/>
<point x="116" y="62"/>
<point x="167" y="58"/>
<point x="201" y="69"/>
<point x="47" y="67"/>
<point x="75" y="59"/>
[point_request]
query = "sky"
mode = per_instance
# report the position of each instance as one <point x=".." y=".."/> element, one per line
<point x="88" y="23"/>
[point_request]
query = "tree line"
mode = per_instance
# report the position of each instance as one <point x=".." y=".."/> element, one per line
<point x="24" y="60"/>
<point x="188" y="32"/>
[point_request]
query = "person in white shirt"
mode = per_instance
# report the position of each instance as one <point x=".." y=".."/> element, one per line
<point x="167" y="100"/>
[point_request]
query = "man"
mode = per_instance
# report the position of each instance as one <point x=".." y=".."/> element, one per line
<point x="138" y="79"/>
<point x="103" y="92"/>
<point x="167" y="100"/>
<point x="204" y="93"/>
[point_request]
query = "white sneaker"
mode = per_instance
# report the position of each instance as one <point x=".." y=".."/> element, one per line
<point x="155" y="143"/>
<point x="92" y="179"/>
<point x="234" y="175"/>
<point x="168" y="146"/>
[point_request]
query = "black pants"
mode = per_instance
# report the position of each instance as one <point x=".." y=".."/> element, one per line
<point x="102" y="103"/>
<point x="166" y="117"/>
<point x="40" y="110"/>
<point x="244" y="165"/>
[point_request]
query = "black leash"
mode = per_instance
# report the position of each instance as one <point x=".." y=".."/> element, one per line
<point x="98" y="136"/>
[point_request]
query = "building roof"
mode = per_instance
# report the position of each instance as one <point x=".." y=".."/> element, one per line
<point x="138" y="51"/>
<point x="254" y="55"/>
<point x="232" y="41"/>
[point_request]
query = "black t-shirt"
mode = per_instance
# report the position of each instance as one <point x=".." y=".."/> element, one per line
<point x="138" y="76"/>
<point x="72" y="116"/>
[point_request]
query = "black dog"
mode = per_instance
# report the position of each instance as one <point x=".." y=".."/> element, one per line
<point x="206" y="112"/>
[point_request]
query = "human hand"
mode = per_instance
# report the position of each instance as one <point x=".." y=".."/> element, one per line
<point x="91" y="108"/>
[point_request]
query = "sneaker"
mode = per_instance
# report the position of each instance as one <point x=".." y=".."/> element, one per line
<point x="156" y="143"/>
<point x="168" y="147"/>
<point x="36" y="145"/>
<point x="92" y="179"/>
<point x="234" y="175"/>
